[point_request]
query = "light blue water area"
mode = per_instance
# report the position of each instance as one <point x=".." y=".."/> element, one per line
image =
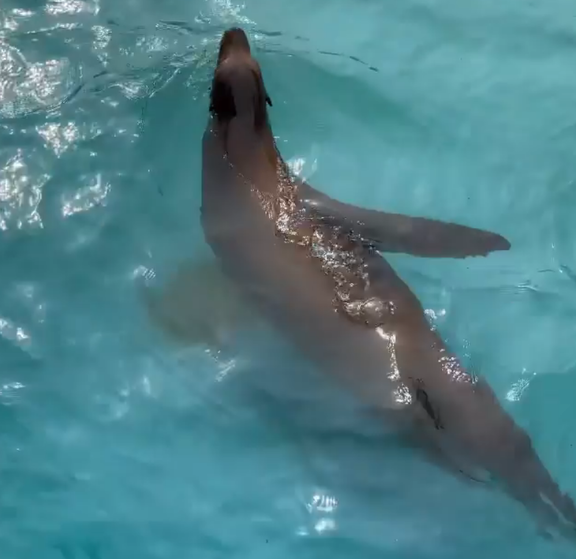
<point x="117" y="443"/>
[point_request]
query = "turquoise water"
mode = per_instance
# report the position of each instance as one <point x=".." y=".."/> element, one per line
<point x="117" y="443"/>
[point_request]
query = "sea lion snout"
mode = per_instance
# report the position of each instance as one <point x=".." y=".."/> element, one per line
<point x="233" y="41"/>
<point x="237" y="87"/>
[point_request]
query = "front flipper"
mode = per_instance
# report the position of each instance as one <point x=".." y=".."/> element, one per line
<point x="390" y="232"/>
<point x="198" y="306"/>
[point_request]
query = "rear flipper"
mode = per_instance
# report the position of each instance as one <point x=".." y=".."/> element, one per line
<point x="551" y="516"/>
<point x="198" y="306"/>
<point x="400" y="233"/>
<point x="533" y="486"/>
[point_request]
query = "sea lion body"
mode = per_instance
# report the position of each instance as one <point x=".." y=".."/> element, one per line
<point x="293" y="273"/>
<point x="312" y="267"/>
<point x="335" y="297"/>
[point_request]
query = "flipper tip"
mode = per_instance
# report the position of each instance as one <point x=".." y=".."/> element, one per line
<point x="502" y="243"/>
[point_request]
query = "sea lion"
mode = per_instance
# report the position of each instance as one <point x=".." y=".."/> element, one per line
<point x="312" y="267"/>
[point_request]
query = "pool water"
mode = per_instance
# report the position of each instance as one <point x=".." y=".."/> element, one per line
<point x="117" y="442"/>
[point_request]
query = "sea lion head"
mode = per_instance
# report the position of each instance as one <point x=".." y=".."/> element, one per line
<point x="238" y="89"/>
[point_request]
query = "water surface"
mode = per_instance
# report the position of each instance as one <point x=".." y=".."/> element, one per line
<point x="117" y="443"/>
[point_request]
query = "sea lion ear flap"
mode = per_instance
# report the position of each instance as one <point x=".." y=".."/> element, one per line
<point x="268" y="100"/>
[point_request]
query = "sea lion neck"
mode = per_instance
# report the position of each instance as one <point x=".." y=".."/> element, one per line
<point x="254" y="156"/>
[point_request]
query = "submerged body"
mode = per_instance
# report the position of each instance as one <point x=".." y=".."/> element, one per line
<point x="312" y="267"/>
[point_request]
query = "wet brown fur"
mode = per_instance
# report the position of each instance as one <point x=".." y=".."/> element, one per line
<point x="449" y="405"/>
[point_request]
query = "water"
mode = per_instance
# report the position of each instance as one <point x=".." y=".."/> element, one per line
<point x="117" y="443"/>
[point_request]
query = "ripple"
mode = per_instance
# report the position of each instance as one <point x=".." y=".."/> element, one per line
<point x="9" y="392"/>
<point x="28" y="87"/>
<point x="69" y="7"/>
<point x="87" y="197"/>
<point x="229" y="12"/>
<point x="322" y="508"/>
<point x="517" y="390"/>
<point x="20" y="194"/>
<point x="13" y="333"/>
<point x="59" y="137"/>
